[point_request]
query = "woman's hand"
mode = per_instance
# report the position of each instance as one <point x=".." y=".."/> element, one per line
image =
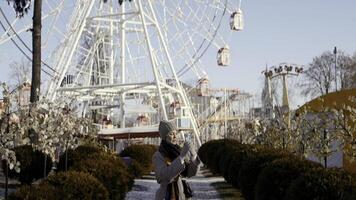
<point x="184" y="154"/>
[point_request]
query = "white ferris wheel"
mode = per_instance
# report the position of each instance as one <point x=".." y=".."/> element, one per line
<point x="129" y="55"/>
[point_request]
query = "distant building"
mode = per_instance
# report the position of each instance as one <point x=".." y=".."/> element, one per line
<point x="24" y="92"/>
<point x="2" y="106"/>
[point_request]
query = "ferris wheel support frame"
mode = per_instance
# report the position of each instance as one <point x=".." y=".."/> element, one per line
<point x="180" y="88"/>
<point x="148" y="19"/>
<point x="51" y="92"/>
<point x="123" y="66"/>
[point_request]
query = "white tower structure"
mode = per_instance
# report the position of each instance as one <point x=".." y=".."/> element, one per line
<point x="267" y="100"/>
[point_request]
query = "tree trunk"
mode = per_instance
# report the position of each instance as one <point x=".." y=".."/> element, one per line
<point x="6" y="179"/>
<point x="45" y="167"/>
<point x="326" y="156"/>
<point x="36" y="48"/>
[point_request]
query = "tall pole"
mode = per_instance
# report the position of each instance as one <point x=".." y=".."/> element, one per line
<point x="285" y="102"/>
<point x="335" y="54"/>
<point x="180" y="88"/>
<point x="225" y="115"/>
<point x="122" y="57"/>
<point x="153" y="63"/>
<point x="36" y="48"/>
<point x="111" y="78"/>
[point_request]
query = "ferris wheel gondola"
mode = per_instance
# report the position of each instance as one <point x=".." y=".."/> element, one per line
<point x="223" y="57"/>
<point x="237" y="19"/>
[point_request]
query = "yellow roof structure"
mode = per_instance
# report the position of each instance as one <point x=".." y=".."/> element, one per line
<point x="334" y="100"/>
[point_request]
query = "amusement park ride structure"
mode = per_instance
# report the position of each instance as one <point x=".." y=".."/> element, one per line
<point x="282" y="70"/>
<point x="125" y="64"/>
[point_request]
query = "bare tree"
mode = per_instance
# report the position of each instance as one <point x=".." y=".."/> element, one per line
<point x="319" y="79"/>
<point x="344" y="67"/>
<point x="319" y="76"/>
<point x="20" y="72"/>
<point x="349" y="76"/>
<point x="21" y="7"/>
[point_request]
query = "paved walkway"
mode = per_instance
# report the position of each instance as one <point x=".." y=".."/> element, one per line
<point x="204" y="185"/>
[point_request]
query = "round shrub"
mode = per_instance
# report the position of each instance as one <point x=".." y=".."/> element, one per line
<point x="276" y="177"/>
<point x="136" y="169"/>
<point x="142" y="154"/>
<point x="32" y="164"/>
<point x="234" y="166"/>
<point x="35" y="192"/>
<point x="211" y="151"/>
<point x="74" y="185"/>
<point x="251" y="167"/>
<point x="75" y="155"/>
<point x="218" y="159"/>
<point x="206" y="150"/>
<point x="110" y="171"/>
<point x="224" y="161"/>
<point x="319" y="183"/>
<point x="69" y="185"/>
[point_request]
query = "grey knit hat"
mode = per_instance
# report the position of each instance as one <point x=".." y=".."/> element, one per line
<point x="164" y="128"/>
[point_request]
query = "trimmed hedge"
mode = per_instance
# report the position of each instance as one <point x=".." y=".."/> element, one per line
<point x="69" y="185"/>
<point x="109" y="170"/>
<point x="77" y="185"/>
<point x="276" y="177"/>
<point x="75" y="155"/>
<point x="31" y="164"/>
<point x="251" y="168"/>
<point x="239" y="154"/>
<point x="142" y="155"/>
<point x="136" y="169"/>
<point x="233" y="168"/>
<point x="105" y="166"/>
<point x="211" y="152"/>
<point x="35" y="192"/>
<point x="264" y="173"/>
<point x="319" y="183"/>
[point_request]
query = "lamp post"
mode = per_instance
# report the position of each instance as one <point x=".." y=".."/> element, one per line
<point x="335" y="54"/>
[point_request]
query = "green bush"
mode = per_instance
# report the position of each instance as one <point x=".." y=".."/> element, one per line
<point x="225" y="160"/>
<point x="106" y="167"/>
<point x="142" y="154"/>
<point x="74" y="185"/>
<point x="69" y="185"/>
<point x="206" y="150"/>
<point x="276" y="177"/>
<point x="224" y="157"/>
<point x="265" y="173"/>
<point x="135" y="168"/>
<point x="35" y="192"/>
<point x="32" y="164"/>
<point x="234" y="166"/>
<point x="319" y="183"/>
<point x="210" y="152"/>
<point x="110" y="171"/>
<point x="251" y="168"/>
<point x="75" y="155"/>
<point x="218" y="157"/>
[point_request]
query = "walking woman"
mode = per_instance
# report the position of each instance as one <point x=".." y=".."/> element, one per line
<point x="172" y="164"/>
